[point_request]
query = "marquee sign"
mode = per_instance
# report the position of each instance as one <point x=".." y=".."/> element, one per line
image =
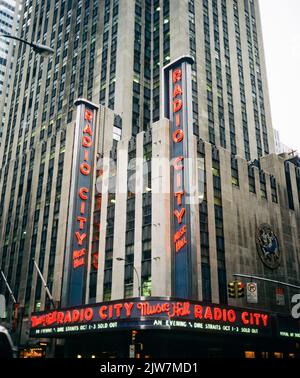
<point x="178" y="101"/>
<point x="150" y="313"/>
<point x="288" y="328"/>
<point x="77" y="245"/>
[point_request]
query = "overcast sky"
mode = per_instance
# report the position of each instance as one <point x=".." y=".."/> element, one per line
<point x="281" y="33"/>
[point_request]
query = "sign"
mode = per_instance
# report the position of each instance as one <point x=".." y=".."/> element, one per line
<point x="251" y="289"/>
<point x="280" y="298"/>
<point x="77" y="245"/>
<point x="150" y="313"/>
<point x="131" y="351"/>
<point x="33" y="353"/>
<point x="178" y="101"/>
<point x="288" y="328"/>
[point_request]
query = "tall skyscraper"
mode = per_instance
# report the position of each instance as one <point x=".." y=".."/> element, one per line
<point x="9" y="20"/>
<point x="112" y="53"/>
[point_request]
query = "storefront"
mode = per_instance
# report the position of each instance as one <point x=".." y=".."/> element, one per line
<point x="167" y="327"/>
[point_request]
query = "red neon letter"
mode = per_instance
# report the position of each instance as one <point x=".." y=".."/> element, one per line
<point x="264" y="319"/>
<point x="102" y="313"/>
<point x="86" y="155"/>
<point x="60" y="317"/>
<point x="177" y="105"/>
<point x="177" y="91"/>
<point x="75" y="316"/>
<point x="179" y="195"/>
<point x="231" y="316"/>
<point x="207" y="313"/>
<point x="177" y="117"/>
<point x="128" y="307"/>
<point x="82" y="193"/>
<point x="198" y="311"/>
<point x="88" y="314"/>
<point x="85" y="169"/>
<point x="177" y="75"/>
<point x="245" y="315"/>
<point x="217" y="313"/>
<point x="178" y="180"/>
<point x="87" y="129"/>
<point x="178" y="136"/>
<point x="118" y="307"/>
<point x="88" y="115"/>
<point x="80" y="237"/>
<point x="179" y="215"/>
<point x="81" y="221"/>
<point x="86" y="141"/>
<point x="177" y="166"/>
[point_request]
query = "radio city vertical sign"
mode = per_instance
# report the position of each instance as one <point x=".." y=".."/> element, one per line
<point x="81" y="189"/>
<point x="178" y="108"/>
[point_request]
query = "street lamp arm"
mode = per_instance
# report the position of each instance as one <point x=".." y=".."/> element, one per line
<point x="41" y="49"/>
<point x="18" y="39"/>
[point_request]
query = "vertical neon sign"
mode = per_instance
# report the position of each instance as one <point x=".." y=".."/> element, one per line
<point x="81" y="191"/>
<point x="177" y="106"/>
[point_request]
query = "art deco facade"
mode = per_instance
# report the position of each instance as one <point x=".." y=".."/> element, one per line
<point x="112" y="52"/>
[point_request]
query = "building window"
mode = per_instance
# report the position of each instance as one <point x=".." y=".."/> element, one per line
<point x="263" y="187"/>
<point x="273" y="189"/>
<point x="251" y="179"/>
<point x="289" y="185"/>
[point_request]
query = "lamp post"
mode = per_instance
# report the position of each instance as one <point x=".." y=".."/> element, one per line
<point x="136" y="272"/>
<point x="37" y="47"/>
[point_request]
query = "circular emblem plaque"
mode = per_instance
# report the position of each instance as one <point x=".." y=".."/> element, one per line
<point x="267" y="246"/>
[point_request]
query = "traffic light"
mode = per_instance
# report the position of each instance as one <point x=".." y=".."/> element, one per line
<point x="236" y="289"/>
<point x="231" y="290"/>
<point x="240" y="290"/>
<point x="133" y="334"/>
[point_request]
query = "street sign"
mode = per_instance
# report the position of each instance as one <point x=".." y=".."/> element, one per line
<point x="280" y="299"/>
<point x="252" y="292"/>
<point x="131" y="351"/>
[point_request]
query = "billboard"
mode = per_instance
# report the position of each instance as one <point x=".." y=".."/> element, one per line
<point x="178" y="108"/>
<point x="150" y="313"/>
<point x="77" y="241"/>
